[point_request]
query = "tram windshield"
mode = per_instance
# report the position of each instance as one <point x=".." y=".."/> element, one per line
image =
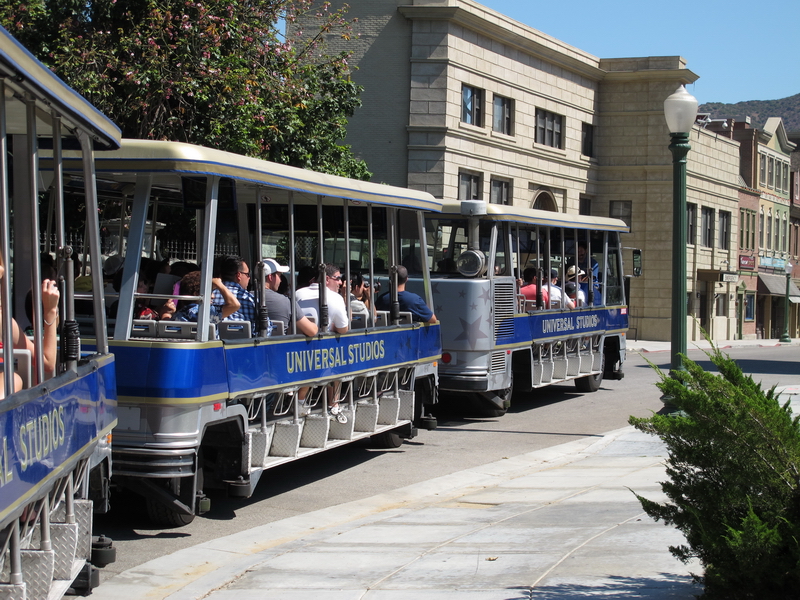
<point x="449" y="238"/>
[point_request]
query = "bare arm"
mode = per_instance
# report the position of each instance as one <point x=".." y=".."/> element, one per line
<point x="306" y="326"/>
<point x="231" y="304"/>
<point x="50" y="297"/>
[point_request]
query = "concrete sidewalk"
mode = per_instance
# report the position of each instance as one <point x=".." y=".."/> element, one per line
<point x="653" y="346"/>
<point x="556" y="523"/>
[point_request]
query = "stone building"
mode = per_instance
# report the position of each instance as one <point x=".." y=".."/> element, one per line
<point x="464" y="102"/>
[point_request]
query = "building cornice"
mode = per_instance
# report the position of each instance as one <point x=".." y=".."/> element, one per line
<point x="510" y="32"/>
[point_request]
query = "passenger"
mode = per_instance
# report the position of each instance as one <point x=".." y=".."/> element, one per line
<point x="359" y="293"/>
<point x="188" y="309"/>
<point x="529" y="289"/>
<point x="141" y="308"/>
<point x="235" y="274"/>
<point x="409" y="301"/>
<point x="50" y="298"/>
<point x="279" y="306"/>
<point x="557" y="296"/>
<point x="308" y="299"/>
<point x="306" y="276"/>
<point x="581" y="282"/>
<point x="587" y="262"/>
<point x="575" y="294"/>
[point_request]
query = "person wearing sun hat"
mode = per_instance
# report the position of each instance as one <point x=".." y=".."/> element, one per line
<point x="279" y="306"/>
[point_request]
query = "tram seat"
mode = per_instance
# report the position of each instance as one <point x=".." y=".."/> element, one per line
<point x="359" y="320"/>
<point x="183" y="330"/>
<point x="144" y="328"/>
<point x="278" y="328"/>
<point x="531" y="305"/>
<point x="23" y="364"/>
<point x="555" y="304"/>
<point x="382" y="318"/>
<point x="234" y="330"/>
<point x="406" y="318"/>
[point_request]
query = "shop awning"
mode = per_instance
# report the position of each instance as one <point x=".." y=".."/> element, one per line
<point x="775" y="285"/>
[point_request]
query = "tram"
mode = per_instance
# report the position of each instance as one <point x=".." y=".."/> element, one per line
<point x="212" y="404"/>
<point x="59" y="403"/>
<point x="495" y="339"/>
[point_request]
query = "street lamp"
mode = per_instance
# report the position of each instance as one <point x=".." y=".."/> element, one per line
<point x="680" y="110"/>
<point x="785" y="337"/>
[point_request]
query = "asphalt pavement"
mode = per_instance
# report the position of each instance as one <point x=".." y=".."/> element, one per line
<point x="559" y="523"/>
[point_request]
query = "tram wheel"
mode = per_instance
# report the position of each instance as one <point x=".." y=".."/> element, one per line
<point x="591" y="383"/>
<point x="388" y="440"/>
<point x="161" y="515"/>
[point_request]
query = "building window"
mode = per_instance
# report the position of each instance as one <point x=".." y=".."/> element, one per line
<point x="621" y="209"/>
<point x="691" y="223"/>
<point x="585" y="207"/>
<point x="548" y="128"/>
<point x="763" y="169"/>
<point x="469" y="186"/>
<point x="785" y="189"/>
<point x="749" y="307"/>
<point x="761" y="227"/>
<point x="472" y="105"/>
<point x="587" y="139"/>
<point x="769" y="230"/>
<point x="747" y="229"/>
<point x="500" y="192"/>
<point x="707" y="227"/>
<point x="795" y="234"/>
<point x="502" y="115"/>
<point x="724" y="230"/>
<point x="771" y="172"/>
<point x="721" y="302"/>
<point x="785" y="233"/>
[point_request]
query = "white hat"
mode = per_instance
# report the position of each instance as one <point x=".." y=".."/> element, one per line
<point x="571" y="272"/>
<point x="271" y="266"/>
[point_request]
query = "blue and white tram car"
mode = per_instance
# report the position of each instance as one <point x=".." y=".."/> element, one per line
<point x="494" y="339"/>
<point x="59" y="405"/>
<point x="213" y="405"/>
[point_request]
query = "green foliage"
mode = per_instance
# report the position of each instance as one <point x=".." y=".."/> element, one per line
<point x="210" y="72"/>
<point x="733" y="467"/>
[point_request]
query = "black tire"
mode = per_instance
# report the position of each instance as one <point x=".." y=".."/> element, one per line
<point x="388" y="440"/>
<point x="161" y="515"/>
<point x="591" y="383"/>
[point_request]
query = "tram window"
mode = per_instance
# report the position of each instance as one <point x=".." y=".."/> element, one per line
<point x="613" y="273"/>
<point x="501" y="263"/>
<point x="411" y="253"/>
<point x="447" y="239"/>
<point x="529" y="249"/>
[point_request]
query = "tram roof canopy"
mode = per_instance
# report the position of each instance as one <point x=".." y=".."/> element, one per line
<point x="531" y="216"/>
<point x="24" y="75"/>
<point x="165" y="160"/>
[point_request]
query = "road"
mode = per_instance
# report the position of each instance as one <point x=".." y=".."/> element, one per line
<point x="537" y="420"/>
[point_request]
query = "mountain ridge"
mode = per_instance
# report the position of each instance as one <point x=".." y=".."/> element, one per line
<point x="758" y="111"/>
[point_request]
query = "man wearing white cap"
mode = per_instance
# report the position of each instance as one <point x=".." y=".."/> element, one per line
<point x="279" y="306"/>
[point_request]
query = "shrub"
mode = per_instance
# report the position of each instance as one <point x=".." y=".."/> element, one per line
<point x="734" y="467"/>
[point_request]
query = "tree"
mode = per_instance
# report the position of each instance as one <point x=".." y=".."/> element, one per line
<point x="734" y="480"/>
<point x="210" y="72"/>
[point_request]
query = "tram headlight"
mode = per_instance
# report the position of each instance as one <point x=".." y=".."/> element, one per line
<point x="471" y="263"/>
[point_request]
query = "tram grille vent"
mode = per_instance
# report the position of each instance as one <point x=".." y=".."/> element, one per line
<point x="498" y="364"/>
<point x="505" y="304"/>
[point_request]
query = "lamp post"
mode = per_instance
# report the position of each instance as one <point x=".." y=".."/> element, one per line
<point x="785" y="337"/>
<point x="680" y="110"/>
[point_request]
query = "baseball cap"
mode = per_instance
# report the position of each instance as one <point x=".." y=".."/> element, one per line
<point x="112" y="264"/>
<point x="271" y="266"/>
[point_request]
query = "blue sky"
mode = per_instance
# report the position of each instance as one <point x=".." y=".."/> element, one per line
<point x="741" y="50"/>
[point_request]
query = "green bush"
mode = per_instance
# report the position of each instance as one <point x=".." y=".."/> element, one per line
<point x="734" y="468"/>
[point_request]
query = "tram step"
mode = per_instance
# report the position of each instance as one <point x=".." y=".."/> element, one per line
<point x="546" y="372"/>
<point x="286" y="440"/>
<point x="366" y="416"/>
<point x="342" y="431"/>
<point x="559" y="369"/>
<point x="257" y="445"/>
<point x="315" y="431"/>
<point x="10" y="591"/>
<point x="406" y="405"/>
<point x="389" y="410"/>
<point x="64" y="538"/>
<point x="37" y="573"/>
<point x="574" y="365"/>
<point x="84" y="510"/>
